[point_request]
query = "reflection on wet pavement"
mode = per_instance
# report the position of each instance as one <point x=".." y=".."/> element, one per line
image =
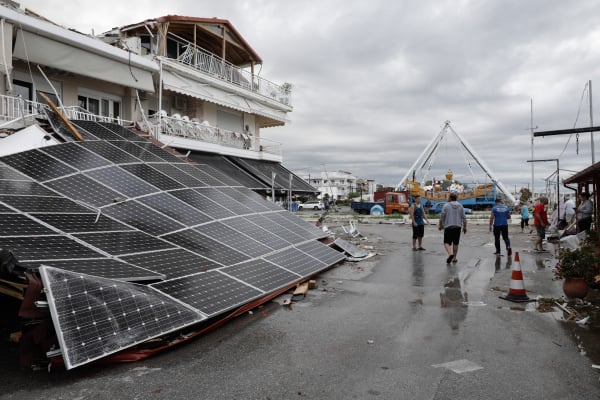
<point x="454" y="300"/>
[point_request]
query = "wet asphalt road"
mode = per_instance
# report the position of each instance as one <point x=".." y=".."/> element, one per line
<point x="375" y="329"/>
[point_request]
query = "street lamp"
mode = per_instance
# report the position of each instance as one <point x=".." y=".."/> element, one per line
<point x="557" y="179"/>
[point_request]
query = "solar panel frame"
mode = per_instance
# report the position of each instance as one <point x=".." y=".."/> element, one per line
<point x="262" y="274"/>
<point x="234" y="239"/>
<point x="76" y="156"/>
<point x="122" y="181"/>
<point x="198" y="243"/>
<point x="143" y="218"/>
<point x="82" y="223"/>
<point x="295" y="260"/>
<point x="172" y="263"/>
<point x="20" y="225"/>
<point x="95" y="129"/>
<point x="43" y="204"/>
<point x="35" y="248"/>
<point x="153" y="176"/>
<point x="38" y="165"/>
<point x="124" y="242"/>
<point x="84" y="189"/>
<point x="175" y="208"/>
<point x="109" y="152"/>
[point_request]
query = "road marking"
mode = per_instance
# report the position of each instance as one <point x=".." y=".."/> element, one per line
<point x="459" y="366"/>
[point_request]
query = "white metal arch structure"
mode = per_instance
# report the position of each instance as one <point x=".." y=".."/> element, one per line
<point x="429" y="153"/>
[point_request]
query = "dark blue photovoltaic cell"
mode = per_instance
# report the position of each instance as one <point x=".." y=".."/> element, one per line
<point x="175" y="208"/>
<point x="47" y="248"/>
<point x="196" y="242"/>
<point x="152" y="176"/>
<point x="122" y="181"/>
<point x="120" y="243"/>
<point x="311" y="230"/>
<point x="81" y="223"/>
<point x="142" y="218"/>
<point x="261" y="274"/>
<point x="210" y="292"/>
<point x="4" y="208"/>
<point x="18" y="225"/>
<point x="86" y="190"/>
<point x="110" y="152"/>
<point x="38" y="165"/>
<point x="76" y="156"/>
<point x="172" y="263"/>
<point x="34" y="204"/>
<point x="296" y="261"/>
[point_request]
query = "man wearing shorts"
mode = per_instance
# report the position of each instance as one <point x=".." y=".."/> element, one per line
<point x="418" y="219"/>
<point x="452" y="219"/>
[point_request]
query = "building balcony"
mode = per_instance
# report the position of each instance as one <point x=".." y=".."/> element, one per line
<point x="175" y="131"/>
<point x="200" y="60"/>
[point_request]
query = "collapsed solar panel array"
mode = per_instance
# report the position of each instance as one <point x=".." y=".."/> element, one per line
<point x="99" y="216"/>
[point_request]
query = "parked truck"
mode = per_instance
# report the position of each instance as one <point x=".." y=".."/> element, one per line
<point x="384" y="202"/>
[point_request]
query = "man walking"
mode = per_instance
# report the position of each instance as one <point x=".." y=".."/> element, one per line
<point x="540" y="220"/>
<point x="452" y="219"/>
<point x="418" y="219"/>
<point x="499" y="221"/>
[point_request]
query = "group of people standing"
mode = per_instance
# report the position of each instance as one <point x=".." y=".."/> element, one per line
<point x="453" y="220"/>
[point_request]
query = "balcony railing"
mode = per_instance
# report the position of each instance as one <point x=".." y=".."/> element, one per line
<point x="15" y="110"/>
<point x="185" y="127"/>
<point x="202" y="60"/>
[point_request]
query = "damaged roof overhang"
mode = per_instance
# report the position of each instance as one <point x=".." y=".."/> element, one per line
<point x="238" y="51"/>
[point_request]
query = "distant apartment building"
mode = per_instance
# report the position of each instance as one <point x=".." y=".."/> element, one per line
<point x="339" y="185"/>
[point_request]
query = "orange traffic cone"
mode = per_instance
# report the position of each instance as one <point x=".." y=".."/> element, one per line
<point x="516" y="291"/>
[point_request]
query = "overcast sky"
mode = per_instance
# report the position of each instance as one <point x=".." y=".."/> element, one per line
<point x="374" y="81"/>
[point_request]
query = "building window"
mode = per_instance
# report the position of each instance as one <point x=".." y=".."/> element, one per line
<point x="100" y="103"/>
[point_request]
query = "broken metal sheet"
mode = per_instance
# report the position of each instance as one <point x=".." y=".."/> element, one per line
<point x="352" y="250"/>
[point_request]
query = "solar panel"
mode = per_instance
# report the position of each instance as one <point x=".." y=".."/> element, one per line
<point x="26" y="188"/>
<point x="38" y="165"/>
<point x="210" y="292"/>
<point x="172" y="263"/>
<point x="32" y="248"/>
<point x="8" y="173"/>
<point x="76" y="156"/>
<point x="81" y="223"/>
<point x="94" y="214"/>
<point x="235" y="239"/>
<point x="202" y="203"/>
<point x="262" y="274"/>
<point x="198" y="243"/>
<point x="136" y="151"/>
<point x="143" y="218"/>
<point x="95" y="129"/>
<point x="254" y="231"/>
<point x="104" y="267"/>
<point x="95" y="317"/>
<point x="321" y="252"/>
<point x="122" y="181"/>
<point x="152" y="176"/>
<point x="110" y="152"/>
<point x="34" y="204"/>
<point x="85" y="189"/>
<point x="20" y="225"/>
<point x="175" y="208"/>
<point x="350" y="248"/>
<point x="120" y="243"/>
<point x="296" y="261"/>
<point x="178" y="175"/>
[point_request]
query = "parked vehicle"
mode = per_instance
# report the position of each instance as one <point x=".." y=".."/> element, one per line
<point x="390" y="202"/>
<point x="311" y="205"/>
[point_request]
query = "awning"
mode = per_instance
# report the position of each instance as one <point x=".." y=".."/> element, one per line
<point x="44" y="51"/>
<point x="180" y="84"/>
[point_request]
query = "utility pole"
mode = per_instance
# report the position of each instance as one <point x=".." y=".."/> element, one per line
<point x="532" y="157"/>
<point x="591" y="123"/>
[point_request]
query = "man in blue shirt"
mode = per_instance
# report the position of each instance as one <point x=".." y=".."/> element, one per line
<point x="499" y="221"/>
